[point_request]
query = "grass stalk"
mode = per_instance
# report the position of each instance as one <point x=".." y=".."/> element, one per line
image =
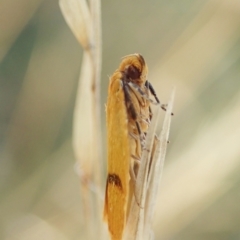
<point x="85" y="22"/>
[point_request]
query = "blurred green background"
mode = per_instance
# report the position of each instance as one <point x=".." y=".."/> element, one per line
<point x="193" y="45"/>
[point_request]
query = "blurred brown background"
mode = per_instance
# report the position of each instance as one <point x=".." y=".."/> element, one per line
<point x="194" y="45"/>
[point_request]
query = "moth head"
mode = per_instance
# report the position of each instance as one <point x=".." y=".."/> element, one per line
<point x="135" y="68"/>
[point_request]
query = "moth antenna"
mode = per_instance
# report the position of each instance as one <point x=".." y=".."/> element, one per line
<point x="150" y="87"/>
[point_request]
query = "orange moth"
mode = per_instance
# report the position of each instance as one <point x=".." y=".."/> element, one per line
<point x="128" y="117"/>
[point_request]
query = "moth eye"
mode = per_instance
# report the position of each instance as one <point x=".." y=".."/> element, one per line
<point x="132" y="72"/>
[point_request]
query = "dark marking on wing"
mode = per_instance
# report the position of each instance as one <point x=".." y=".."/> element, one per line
<point x="115" y="180"/>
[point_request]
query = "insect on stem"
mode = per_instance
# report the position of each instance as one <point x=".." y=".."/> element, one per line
<point x="128" y="117"/>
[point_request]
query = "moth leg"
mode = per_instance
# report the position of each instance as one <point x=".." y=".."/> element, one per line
<point x="150" y="113"/>
<point x="137" y="144"/>
<point x="149" y="85"/>
<point x="136" y="162"/>
<point x="138" y="136"/>
<point x="164" y="107"/>
<point x="139" y="93"/>
<point x="141" y="134"/>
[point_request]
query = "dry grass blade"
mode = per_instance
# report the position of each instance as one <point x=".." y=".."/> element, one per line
<point x="78" y="18"/>
<point x="156" y="170"/>
<point x="85" y="23"/>
<point x="136" y="209"/>
<point x="141" y="212"/>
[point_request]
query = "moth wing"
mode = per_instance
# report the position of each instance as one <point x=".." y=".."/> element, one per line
<point x="117" y="186"/>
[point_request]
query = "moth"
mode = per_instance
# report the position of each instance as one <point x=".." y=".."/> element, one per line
<point x="128" y="117"/>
